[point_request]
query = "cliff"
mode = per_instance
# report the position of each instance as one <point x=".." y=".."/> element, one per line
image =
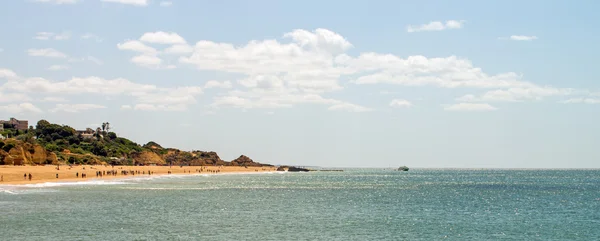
<point x="51" y="143"/>
<point x="16" y="152"/>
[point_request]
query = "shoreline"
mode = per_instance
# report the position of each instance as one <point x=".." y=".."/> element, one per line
<point x="14" y="175"/>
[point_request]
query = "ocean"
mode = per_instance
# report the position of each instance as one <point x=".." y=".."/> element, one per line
<point x="356" y="204"/>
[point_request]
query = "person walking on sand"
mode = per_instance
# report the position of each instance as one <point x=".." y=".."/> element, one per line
<point x="29" y="176"/>
<point x="57" y="175"/>
<point x="25" y="176"/>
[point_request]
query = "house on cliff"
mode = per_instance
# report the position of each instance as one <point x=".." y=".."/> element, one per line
<point x="17" y="124"/>
<point x="88" y="133"/>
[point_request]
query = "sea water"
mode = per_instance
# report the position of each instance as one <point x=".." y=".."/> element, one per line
<point x="356" y="204"/>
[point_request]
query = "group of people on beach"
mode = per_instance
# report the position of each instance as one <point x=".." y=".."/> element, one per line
<point x="205" y="169"/>
<point x="115" y="172"/>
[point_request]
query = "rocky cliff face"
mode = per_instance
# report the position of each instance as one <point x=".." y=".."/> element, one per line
<point x="148" y="158"/>
<point x="23" y="153"/>
<point x="16" y="152"/>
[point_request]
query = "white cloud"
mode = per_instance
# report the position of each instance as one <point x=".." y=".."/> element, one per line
<point x="166" y="3"/>
<point x="7" y="74"/>
<point x="175" y="97"/>
<point x="150" y="61"/>
<point x="51" y="35"/>
<point x="49" y="52"/>
<point x="126" y="107"/>
<point x="320" y="40"/>
<point x="58" y="67"/>
<point x="13" y="97"/>
<point x="516" y="94"/>
<point x="136" y="46"/>
<point x="581" y="100"/>
<point x="400" y="103"/>
<point x="150" y="107"/>
<point x="1" y="50"/>
<point x="522" y="38"/>
<point x="314" y="63"/>
<point x="129" y="2"/>
<point x="305" y="64"/>
<point x="161" y="37"/>
<point x="179" y="49"/>
<point x="20" y="108"/>
<point x="148" y="57"/>
<point x="449" y="72"/>
<point x="91" y="36"/>
<point x="54" y="99"/>
<point x="216" y="84"/>
<point x="470" y="107"/>
<point x="73" y="108"/>
<point x="59" y="1"/>
<point x="88" y="58"/>
<point x="436" y="26"/>
<point x="279" y="98"/>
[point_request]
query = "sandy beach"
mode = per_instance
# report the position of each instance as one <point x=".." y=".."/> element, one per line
<point x="40" y="174"/>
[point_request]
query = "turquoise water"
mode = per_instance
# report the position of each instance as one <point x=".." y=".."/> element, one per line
<point x="357" y="204"/>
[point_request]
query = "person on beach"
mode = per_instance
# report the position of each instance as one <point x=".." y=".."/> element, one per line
<point x="29" y="176"/>
<point x="25" y="176"/>
<point x="57" y="175"/>
<point x="77" y="174"/>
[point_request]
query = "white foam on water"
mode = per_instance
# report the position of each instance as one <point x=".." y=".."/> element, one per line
<point x="79" y="183"/>
<point x="8" y="192"/>
<point x="61" y="184"/>
<point x="17" y="189"/>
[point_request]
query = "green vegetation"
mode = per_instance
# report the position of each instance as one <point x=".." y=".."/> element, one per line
<point x="62" y="139"/>
<point x="49" y="143"/>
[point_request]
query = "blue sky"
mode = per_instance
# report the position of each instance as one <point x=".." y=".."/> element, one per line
<point x="479" y="84"/>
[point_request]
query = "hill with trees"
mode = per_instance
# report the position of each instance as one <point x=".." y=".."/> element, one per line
<point x="49" y="143"/>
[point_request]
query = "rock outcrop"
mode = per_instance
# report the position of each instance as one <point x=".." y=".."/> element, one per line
<point x="39" y="155"/>
<point x="244" y="161"/>
<point x="207" y="158"/>
<point x="148" y="158"/>
<point x="292" y="169"/>
<point x="52" y="158"/>
<point x="16" y="156"/>
<point x="297" y="169"/>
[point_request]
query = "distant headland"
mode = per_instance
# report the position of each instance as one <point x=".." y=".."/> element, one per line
<point x="55" y="144"/>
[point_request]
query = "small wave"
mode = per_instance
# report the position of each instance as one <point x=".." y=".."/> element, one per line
<point x="80" y="183"/>
<point x="8" y="192"/>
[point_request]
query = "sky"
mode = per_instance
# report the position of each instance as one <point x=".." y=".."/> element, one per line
<point x="435" y="84"/>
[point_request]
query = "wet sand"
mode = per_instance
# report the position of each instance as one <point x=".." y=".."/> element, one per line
<point x="40" y="174"/>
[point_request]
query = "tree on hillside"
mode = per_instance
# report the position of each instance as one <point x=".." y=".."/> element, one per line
<point x="41" y="124"/>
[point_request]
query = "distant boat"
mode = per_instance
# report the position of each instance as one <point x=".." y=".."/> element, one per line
<point x="403" y="168"/>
